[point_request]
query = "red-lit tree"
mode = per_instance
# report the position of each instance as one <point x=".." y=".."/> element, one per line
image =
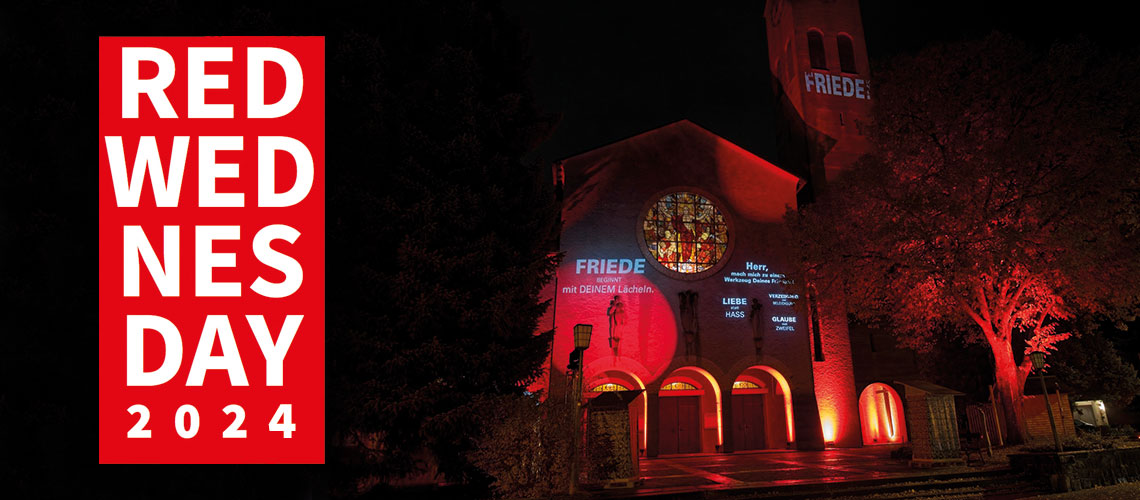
<point x="1001" y="196"/>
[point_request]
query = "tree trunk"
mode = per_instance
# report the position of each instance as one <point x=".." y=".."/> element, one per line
<point x="1008" y="381"/>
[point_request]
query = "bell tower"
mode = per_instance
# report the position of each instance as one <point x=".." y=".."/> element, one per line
<point x="820" y="72"/>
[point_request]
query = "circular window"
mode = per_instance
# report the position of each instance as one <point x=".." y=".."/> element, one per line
<point x="686" y="233"/>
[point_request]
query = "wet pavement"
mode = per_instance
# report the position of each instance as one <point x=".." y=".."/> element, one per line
<point x="768" y="469"/>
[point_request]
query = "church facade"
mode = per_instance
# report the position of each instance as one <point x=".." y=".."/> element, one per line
<point x="672" y="251"/>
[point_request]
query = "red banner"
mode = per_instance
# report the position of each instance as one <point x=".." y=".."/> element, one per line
<point x="211" y="250"/>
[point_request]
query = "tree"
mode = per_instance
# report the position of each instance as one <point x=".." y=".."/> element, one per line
<point x="1090" y="367"/>
<point x="441" y="237"/>
<point x="1000" y="196"/>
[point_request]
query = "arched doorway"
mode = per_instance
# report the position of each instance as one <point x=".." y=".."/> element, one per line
<point x="761" y="410"/>
<point x="881" y="415"/>
<point x="618" y="380"/>
<point x="689" y="413"/>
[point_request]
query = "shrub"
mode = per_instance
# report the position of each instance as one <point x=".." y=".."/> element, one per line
<point x="1083" y="441"/>
<point x="1120" y="431"/>
<point x="526" y="447"/>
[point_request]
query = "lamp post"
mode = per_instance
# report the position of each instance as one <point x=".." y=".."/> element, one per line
<point x="1038" y="359"/>
<point x="582" y="333"/>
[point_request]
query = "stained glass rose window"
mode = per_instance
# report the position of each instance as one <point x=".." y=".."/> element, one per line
<point x="686" y="232"/>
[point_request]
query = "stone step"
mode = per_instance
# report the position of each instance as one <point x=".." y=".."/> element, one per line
<point x="995" y="484"/>
<point x="989" y="486"/>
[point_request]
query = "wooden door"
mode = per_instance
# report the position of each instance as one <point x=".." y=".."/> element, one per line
<point x="680" y="424"/>
<point x="668" y="423"/>
<point x="749" y="432"/>
<point x="689" y="424"/>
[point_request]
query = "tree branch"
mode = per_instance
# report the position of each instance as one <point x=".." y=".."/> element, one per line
<point x="983" y="304"/>
<point x="986" y="326"/>
<point x="1022" y="283"/>
<point x="1041" y="320"/>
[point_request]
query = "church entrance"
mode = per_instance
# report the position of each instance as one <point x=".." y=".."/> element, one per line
<point x="688" y="415"/>
<point x="761" y="411"/>
<point x="749" y="432"/>
<point x="680" y="425"/>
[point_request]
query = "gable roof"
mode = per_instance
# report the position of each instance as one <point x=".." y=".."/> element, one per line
<point x="688" y="127"/>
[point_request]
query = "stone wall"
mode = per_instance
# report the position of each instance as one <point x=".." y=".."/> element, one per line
<point x="1077" y="470"/>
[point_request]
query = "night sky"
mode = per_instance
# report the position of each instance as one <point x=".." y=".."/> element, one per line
<point x="615" y="69"/>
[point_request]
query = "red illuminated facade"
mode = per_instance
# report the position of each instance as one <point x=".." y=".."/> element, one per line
<point x="670" y="243"/>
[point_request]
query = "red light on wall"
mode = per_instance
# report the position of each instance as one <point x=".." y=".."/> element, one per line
<point x="827" y="421"/>
<point x="834" y="378"/>
<point x="832" y="388"/>
<point x="648" y="333"/>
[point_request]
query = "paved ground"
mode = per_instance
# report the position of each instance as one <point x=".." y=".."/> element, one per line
<point x="775" y="468"/>
<point x="1129" y="491"/>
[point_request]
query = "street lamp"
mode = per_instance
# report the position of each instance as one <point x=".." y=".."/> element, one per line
<point x="1038" y="359"/>
<point x="582" y="333"/>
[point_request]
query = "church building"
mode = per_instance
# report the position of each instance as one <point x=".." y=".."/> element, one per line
<point x="671" y="242"/>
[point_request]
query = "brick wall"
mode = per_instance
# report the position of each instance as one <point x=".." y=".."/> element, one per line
<point x="1037" y="420"/>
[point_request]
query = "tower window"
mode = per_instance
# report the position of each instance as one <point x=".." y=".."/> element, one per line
<point x="846" y="54"/>
<point x="815" y="50"/>
<point x="813" y="313"/>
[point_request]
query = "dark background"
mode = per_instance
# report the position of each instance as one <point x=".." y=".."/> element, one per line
<point x="604" y="70"/>
<point x="615" y="69"/>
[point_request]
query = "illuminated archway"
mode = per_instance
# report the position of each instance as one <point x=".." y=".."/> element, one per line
<point x="780" y="391"/>
<point x="705" y="386"/>
<point x="638" y="410"/>
<point x="881" y="415"/>
<point x="760" y="411"/>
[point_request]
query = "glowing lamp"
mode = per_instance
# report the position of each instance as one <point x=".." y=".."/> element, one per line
<point x="581" y="342"/>
<point x="828" y="424"/>
<point x="582" y="333"/>
<point x="1038" y="359"/>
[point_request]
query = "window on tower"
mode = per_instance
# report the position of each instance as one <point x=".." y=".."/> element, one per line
<point x="846" y="54"/>
<point x="813" y="325"/>
<point x="815" y="49"/>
